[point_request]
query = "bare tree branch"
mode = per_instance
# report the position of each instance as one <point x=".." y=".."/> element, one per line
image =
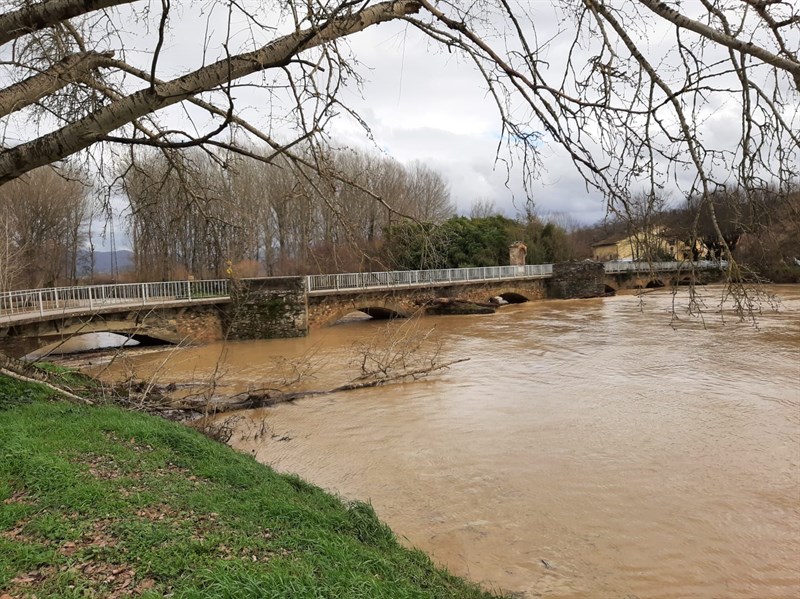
<point x="88" y="130"/>
<point x="71" y="69"/>
<point x="36" y="16"/>
<point x="788" y="64"/>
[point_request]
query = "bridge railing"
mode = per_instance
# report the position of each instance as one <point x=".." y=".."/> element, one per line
<point x="96" y="296"/>
<point x="419" y="278"/>
<point x="31" y="301"/>
<point x="616" y="267"/>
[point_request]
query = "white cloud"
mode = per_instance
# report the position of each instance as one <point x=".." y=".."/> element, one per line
<point x="425" y="104"/>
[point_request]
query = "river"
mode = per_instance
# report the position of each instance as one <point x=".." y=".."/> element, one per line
<point x="591" y="448"/>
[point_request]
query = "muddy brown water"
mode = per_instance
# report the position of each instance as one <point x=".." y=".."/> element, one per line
<point x="587" y="449"/>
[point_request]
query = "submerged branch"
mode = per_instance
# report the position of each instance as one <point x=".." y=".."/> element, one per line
<point x="263" y="399"/>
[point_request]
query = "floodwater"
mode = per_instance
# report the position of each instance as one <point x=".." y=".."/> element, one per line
<point x="587" y="448"/>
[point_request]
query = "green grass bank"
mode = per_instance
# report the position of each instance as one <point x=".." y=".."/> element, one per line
<point x="101" y="502"/>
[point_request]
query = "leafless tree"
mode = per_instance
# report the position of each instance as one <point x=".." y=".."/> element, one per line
<point x="43" y="216"/>
<point x="202" y="213"/>
<point x="625" y="88"/>
<point x="483" y="208"/>
<point x="12" y="255"/>
<point x="177" y="211"/>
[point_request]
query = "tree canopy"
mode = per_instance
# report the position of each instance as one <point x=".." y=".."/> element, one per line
<point x="462" y="242"/>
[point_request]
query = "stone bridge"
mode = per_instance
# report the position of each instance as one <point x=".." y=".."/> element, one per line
<point x="203" y="311"/>
<point x="325" y="309"/>
<point x="199" y="322"/>
<point x="619" y="276"/>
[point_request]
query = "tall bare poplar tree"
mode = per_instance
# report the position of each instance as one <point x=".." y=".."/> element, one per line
<point x="193" y="213"/>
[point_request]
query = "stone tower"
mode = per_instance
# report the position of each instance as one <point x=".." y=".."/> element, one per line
<point x="516" y="253"/>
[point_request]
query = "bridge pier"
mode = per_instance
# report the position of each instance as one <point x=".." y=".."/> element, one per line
<point x="267" y="309"/>
<point x="576" y="280"/>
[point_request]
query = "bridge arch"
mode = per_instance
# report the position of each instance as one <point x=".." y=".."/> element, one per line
<point x="612" y="284"/>
<point x="381" y="312"/>
<point x="512" y="297"/>
<point x="92" y="340"/>
<point x="654" y="284"/>
<point x="375" y="310"/>
<point x="138" y="330"/>
<point x="150" y="339"/>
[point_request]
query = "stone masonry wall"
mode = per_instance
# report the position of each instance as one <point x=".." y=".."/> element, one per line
<point x="574" y="280"/>
<point x="200" y="324"/>
<point x="196" y="323"/>
<point x="269" y="308"/>
<point x="325" y="310"/>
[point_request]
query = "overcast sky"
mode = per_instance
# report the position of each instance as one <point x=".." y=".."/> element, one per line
<point x="422" y="104"/>
<point x="426" y="104"/>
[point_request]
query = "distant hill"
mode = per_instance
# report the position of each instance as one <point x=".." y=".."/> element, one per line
<point x="104" y="262"/>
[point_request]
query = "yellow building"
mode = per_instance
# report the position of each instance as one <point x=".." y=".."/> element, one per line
<point x="657" y="244"/>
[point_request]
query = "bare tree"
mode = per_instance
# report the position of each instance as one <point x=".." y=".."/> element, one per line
<point x="44" y="216"/>
<point x="430" y="193"/>
<point x="12" y="255"/>
<point x="623" y="87"/>
<point x="483" y="208"/>
<point x="197" y="213"/>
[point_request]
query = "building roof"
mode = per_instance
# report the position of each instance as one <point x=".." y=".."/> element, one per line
<point x="656" y="231"/>
<point x="610" y="241"/>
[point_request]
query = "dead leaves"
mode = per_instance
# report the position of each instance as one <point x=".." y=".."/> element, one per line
<point x="102" y="467"/>
<point x="107" y="580"/>
<point x="18" y="497"/>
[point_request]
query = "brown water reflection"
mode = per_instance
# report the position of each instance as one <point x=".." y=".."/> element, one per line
<point x="587" y="449"/>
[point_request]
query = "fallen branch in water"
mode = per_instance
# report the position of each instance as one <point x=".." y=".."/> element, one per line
<point x="406" y="354"/>
<point x="263" y="399"/>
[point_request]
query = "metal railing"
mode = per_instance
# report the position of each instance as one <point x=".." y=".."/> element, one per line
<point x="617" y="267"/>
<point x="91" y="297"/>
<point x="422" y="278"/>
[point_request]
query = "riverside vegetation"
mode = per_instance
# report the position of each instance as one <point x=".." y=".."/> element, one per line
<point x="97" y="501"/>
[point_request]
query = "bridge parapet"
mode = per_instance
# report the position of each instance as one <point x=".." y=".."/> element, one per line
<point x="16" y="305"/>
<point x="617" y="267"/>
<point x="325" y="284"/>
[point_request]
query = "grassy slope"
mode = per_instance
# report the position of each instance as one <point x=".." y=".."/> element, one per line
<point x="98" y="502"/>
